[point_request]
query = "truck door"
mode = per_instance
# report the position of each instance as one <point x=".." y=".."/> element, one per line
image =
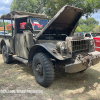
<point x="22" y="40"/>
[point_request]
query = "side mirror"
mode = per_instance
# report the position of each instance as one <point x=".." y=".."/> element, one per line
<point x="28" y="26"/>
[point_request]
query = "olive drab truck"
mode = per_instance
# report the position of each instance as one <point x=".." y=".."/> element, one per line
<point x="43" y="44"/>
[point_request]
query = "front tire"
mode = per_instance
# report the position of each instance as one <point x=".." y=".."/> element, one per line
<point x="43" y="69"/>
<point x="6" y="56"/>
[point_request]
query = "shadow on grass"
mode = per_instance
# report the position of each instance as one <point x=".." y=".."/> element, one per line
<point x="64" y="81"/>
<point x="75" y="81"/>
<point x="24" y="67"/>
<point x="70" y="81"/>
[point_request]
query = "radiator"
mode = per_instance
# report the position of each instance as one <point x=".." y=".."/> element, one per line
<point x="80" y="45"/>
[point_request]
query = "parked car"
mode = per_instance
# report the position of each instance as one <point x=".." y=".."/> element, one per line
<point x="2" y="33"/>
<point x="79" y="33"/>
<point x="96" y="43"/>
<point x="96" y="39"/>
<point x="22" y="25"/>
<point x="91" y="35"/>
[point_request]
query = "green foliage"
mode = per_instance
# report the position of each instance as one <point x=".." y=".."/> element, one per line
<point x="91" y="21"/>
<point x="51" y="7"/>
<point x="25" y="5"/>
<point x="88" y="24"/>
<point x="86" y="28"/>
<point x="89" y="6"/>
<point x="6" y="23"/>
<point x="1" y="24"/>
<point x="96" y="28"/>
<point x="78" y="29"/>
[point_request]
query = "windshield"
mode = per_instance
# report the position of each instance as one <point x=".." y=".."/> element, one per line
<point x="94" y="34"/>
<point x="38" y="24"/>
<point x="98" y="34"/>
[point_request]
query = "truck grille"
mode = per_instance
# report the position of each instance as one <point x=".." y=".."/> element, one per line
<point x="80" y="45"/>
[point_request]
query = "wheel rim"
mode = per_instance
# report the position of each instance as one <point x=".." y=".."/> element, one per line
<point x="39" y="69"/>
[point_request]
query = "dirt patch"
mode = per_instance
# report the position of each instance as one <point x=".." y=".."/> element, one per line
<point x="78" y="86"/>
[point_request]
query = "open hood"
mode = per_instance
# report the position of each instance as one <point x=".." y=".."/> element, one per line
<point x="65" y="20"/>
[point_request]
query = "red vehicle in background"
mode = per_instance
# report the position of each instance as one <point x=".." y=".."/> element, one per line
<point x="10" y="25"/>
<point x="37" y="24"/>
<point x="96" y="42"/>
<point x="22" y="25"/>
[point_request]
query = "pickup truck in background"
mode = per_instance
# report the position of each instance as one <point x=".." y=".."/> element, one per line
<point x="96" y="43"/>
<point x="91" y="35"/>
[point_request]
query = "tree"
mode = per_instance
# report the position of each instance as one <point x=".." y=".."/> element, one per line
<point x="51" y="7"/>
<point x="82" y="21"/>
<point x="88" y="24"/>
<point x="6" y="23"/>
<point x="96" y="28"/>
<point x="1" y="24"/>
<point x="78" y="29"/>
<point x="86" y="28"/>
<point x="91" y="21"/>
<point x="89" y="6"/>
<point x="25" y="5"/>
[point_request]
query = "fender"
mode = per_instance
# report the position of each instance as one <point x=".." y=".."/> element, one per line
<point x="8" y="45"/>
<point x="46" y="47"/>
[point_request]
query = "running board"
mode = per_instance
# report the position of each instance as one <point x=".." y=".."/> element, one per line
<point x="21" y="59"/>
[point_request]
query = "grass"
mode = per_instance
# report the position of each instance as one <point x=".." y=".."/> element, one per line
<point x="77" y="86"/>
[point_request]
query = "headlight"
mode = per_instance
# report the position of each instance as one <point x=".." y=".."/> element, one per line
<point x="61" y="46"/>
<point x="91" y="42"/>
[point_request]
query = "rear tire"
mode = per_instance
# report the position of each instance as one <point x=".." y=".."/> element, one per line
<point x="6" y="56"/>
<point x="43" y="69"/>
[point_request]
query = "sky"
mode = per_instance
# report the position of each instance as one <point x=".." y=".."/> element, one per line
<point x="96" y="16"/>
<point x="5" y="8"/>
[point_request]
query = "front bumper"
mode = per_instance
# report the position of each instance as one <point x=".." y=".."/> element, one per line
<point x="92" y="59"/>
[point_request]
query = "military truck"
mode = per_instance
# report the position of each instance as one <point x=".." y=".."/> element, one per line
<point x="44" y="44"/>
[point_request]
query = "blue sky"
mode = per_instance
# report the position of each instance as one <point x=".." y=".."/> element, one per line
<point x="5" y="8"/>
<point x="96" y="16"/>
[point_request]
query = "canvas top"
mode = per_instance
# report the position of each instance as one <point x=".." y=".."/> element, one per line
<point x="20" y="14"/>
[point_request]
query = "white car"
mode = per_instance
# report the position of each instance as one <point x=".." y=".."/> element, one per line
<point x="90" y="35"/>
